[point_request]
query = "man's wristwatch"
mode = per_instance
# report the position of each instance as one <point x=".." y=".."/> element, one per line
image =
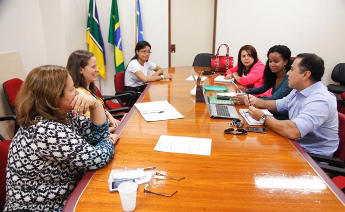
<point x="162" y="76"/>
<point x="263" y="118"/>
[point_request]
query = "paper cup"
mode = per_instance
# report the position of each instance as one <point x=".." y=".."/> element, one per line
<point x="128" y="195"/>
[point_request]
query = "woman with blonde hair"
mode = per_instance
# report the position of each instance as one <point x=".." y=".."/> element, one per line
<point x="50" y="152"/>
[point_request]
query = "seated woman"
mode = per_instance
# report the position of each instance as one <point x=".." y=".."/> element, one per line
<point x="50" y="152"/>
<point x="249" y="70"/>
<point x="82" y="66"/>
<point x="136" y="75"/>
<point x="275" y="78"/>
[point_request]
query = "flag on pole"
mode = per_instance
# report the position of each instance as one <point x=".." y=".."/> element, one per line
<point x="94" y="38"/>
<point x="140" y="33"/>
<point x="115" y="37"/>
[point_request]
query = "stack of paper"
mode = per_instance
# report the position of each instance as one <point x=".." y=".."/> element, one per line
<point x="158" y="110"/>
<point x="250" y="120"/>
<point x="220" y="78"/>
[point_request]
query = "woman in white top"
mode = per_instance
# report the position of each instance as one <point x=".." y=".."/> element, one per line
<point x="136" y="75"/>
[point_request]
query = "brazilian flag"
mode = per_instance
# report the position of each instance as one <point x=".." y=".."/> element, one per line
<point x="115" y="37"/>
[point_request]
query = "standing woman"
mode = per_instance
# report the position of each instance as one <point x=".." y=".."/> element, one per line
<point x="82" y="66"/>
<point x="249" y="70"/>
<point x="51" y="152"/>
<point x="136" y="75"/>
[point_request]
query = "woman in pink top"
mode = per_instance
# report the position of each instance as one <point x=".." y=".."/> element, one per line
<point x="249" y="71"/>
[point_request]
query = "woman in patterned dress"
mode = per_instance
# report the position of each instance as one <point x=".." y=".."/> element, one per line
<point x="51" y="151"/>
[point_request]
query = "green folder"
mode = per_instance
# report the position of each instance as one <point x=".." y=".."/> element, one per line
<point x="215" y="88"/>
<point x="214" y="100"/>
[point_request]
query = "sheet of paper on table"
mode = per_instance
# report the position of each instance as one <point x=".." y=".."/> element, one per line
<point x="158" y="111"/>
<point x="183" y="144"/>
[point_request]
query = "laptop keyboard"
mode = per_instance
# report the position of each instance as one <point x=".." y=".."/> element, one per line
<point x="222" y="110"/>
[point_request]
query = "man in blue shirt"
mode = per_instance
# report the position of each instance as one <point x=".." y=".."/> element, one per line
<point x="313" y="115"/>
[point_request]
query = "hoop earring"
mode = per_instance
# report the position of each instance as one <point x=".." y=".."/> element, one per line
<point x="284" y="69"/>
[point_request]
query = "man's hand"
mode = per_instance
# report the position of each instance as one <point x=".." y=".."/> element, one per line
<point x="255" y="113"/>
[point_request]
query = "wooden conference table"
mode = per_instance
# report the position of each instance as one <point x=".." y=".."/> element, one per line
<point x="254" y="172"/>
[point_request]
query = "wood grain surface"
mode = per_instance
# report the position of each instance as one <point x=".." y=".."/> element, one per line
<point x="254" y="172"/>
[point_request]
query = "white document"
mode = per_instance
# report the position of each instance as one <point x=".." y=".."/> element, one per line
<point x="185" y="145"/>
<point x="220" y="78"/>
<point x="250" y="120"/>
<point x="190" y="78"/>
<point x="229" y="94"/>
<point x="158" y="110"/>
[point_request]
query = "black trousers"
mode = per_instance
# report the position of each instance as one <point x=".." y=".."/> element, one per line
<point x="138" y="90"/>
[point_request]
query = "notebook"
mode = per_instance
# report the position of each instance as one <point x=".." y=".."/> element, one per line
<point x="250" y="120"/>
<point x="220" y="111"/>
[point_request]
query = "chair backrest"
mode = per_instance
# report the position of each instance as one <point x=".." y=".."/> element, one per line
<point x="119" y="81"/>
<point x="338" y="73"/>
<point x="340" y="153"/>
<point x="11" y="88"/>
<point x="98" y="93"/>
<point x="203" y="59"/>
<point x="4" y="146"/>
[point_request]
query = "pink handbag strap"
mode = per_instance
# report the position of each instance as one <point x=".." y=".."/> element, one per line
<point x="227" y="56"/>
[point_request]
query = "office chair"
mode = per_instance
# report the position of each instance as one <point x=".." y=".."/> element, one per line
<point x="342" y="102"/>
<point x="11" y="88"/>
<point x="203" y="59"/>
<point x="336" y="164"/>
<point x="4" y="146"/>
<point x="119" y="109"/>
<point x="338" y="75"/>
<point x="119" y="81"/>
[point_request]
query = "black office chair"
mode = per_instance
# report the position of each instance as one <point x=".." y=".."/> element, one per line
<point x="203" y="59"/>
<point x="338" y="75"/>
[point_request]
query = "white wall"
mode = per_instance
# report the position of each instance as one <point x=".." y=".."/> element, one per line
<point x="22" y="31"/>
<point x="46" y="32"/>
<point x="302" y="25"/>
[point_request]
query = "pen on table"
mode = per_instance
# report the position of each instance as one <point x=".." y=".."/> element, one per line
<point x="162" y="111"/>
<point x="248" y="100"/>
<point x="232" y="81"/>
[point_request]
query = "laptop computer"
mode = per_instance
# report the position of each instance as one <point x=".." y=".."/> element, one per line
<point x="219" y="110"/>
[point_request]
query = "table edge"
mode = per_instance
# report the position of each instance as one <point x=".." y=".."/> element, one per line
<point x="73" y="199"/>
<point x="334" y="188"/>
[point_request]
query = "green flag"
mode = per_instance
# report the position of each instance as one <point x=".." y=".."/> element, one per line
<point x="115" y="37"/>
<point x="94" y="38"/>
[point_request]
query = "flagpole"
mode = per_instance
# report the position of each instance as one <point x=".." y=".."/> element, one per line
<point x="135" y="23"/>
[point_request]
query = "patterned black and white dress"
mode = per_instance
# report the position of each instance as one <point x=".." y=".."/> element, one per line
<point x="47" y="160"/>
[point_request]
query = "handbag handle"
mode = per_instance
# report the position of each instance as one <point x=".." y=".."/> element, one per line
<point x="227" y="56"/>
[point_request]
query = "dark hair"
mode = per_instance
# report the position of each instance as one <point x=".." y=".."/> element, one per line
<point x="252" y="52"/>
<point x="313" y="63"/>
<point x="284" y="51"/>
<point x="79" y="59"/>
<point x="140" y="45"/>
<point x="40" y="95"/>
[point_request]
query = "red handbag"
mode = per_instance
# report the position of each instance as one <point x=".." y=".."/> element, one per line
<point x="222" y="63"/>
